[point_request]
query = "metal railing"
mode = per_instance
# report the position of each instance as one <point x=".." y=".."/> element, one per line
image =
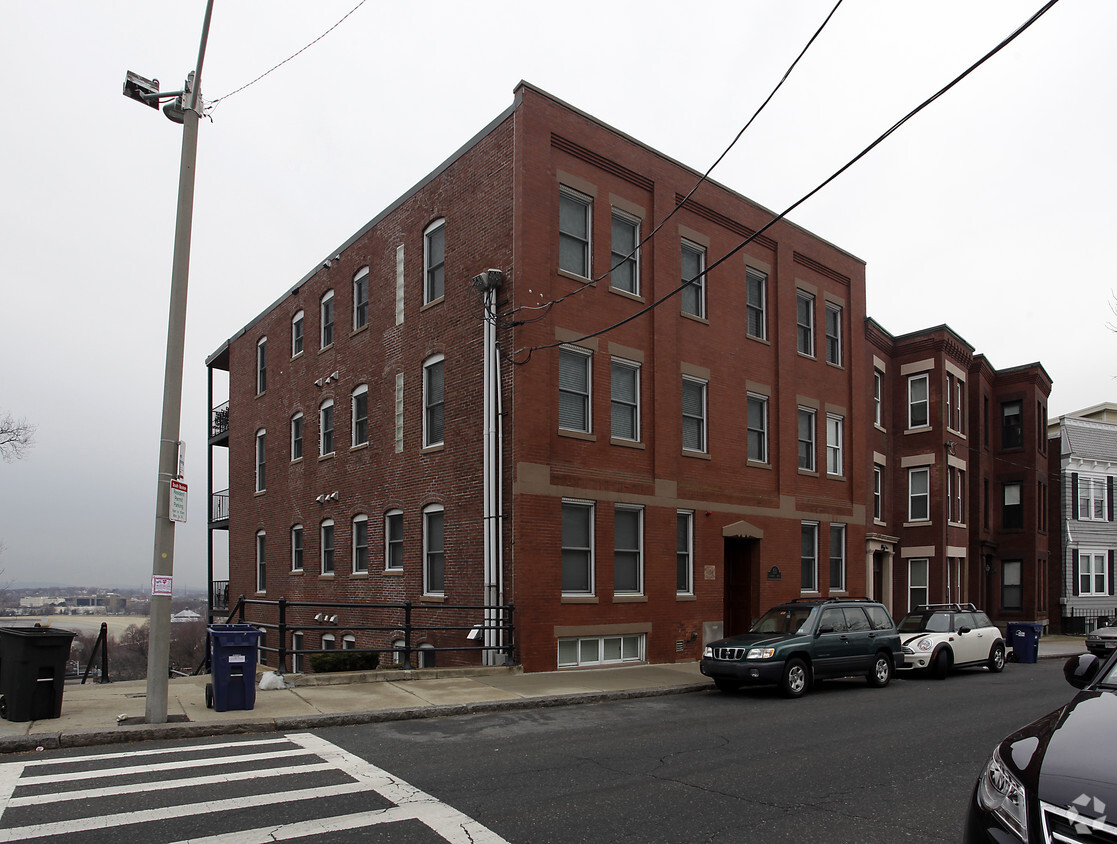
<point x="219" y="595"/>
<point x="404" y="621"/>
<point x="100" y="646"/>
<point x="219" y="420"/>
<point x="1079" y="620"/>
<point x="219" y="506"/>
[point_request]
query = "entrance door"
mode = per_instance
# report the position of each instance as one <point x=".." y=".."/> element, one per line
<point x="740" y="577"/>
<point x="878" y="576"/>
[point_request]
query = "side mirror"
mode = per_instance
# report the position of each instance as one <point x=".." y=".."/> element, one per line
<point x="826" y="628"/>
<point x="964" y="630"/>
<point x="1081" y="670"/>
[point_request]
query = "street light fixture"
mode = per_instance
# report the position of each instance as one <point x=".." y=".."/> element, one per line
<point x="186" y="110"/>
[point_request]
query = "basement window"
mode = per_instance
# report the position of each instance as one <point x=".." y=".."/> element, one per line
<point x="600" y="650"/>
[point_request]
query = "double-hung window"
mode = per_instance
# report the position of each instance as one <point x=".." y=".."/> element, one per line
<point x="628" y="550"/>
<point x="434" y="407"/>
<point x="1012" y="424"/>
<point x="878" y="398"/>
<point x="574" y="232"/>
<point x="261" y="365"/>
<point x="833" y="334"/>
<point x="955" y="403"/>
<point x="326" y="428"/>
<point x="297" y="548"/>
<point x="919" y="494"/>
<point x="804" y="323"/>
<point x="434" y="556"/>
<point x="625" y="400"/>
<point x="1092" y="573"/>
<point x="360" y="543"/>
<point x="393" y="540"/>
<point x="757" y="423"/>
<point x="625" y="256"/>
<point x="297" y="322"/>
<point x="808" y="540"/>
<point x="837" y="558"/>
<point x="834" y="462"/>
<point x="1092" y="497"/>
<point x="756" y="304"/>
<point x="807" y="417"/>
<point x="261" y="562"/>
<point x="359" y="413"/>
<point x="574" y="389"/>
<point x="684" y="552"/>
<point x="577" y="548"/>
<point x="297" y="437"/>
<point x="326" y="318"/>
<point x="918" y="401"/>
<point x="694" y="279"/>
<point x="326" y="545"/>
<point x="1012" y="513"/>
<point x="360" y="298"/>
<point x="434" y="261"/>
<point x="918" y="583"/>
<point x="1012" y="591"/>
<point x="694" y="414"/>
<point x="261" y="460"/>
<point x="878" y="493"/>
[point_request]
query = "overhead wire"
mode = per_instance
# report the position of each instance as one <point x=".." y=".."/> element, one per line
<point x="546" y="307"/>
<point x="212" y="104"/>
<point x="880" y="139"/>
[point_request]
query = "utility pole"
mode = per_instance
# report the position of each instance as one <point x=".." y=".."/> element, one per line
<point x="185" y="110"/>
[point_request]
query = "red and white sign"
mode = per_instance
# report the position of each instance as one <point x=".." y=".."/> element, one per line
<point x="161" y="585"/>
<point x="178" y="501"/>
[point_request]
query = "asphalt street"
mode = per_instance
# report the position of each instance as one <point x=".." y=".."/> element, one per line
<point x="845" y="763"/>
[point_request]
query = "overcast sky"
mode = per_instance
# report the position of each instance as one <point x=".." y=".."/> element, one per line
<point x="999" y="195"/>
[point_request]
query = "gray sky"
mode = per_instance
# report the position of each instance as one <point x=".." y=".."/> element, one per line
<point x="998" y="195"/>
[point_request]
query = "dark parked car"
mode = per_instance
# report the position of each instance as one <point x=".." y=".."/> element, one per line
<point x="794" y="644"/>
<point x="1055" y="779"/>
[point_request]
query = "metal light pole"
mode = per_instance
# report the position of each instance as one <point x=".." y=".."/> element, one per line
<point x="158" y="657"/>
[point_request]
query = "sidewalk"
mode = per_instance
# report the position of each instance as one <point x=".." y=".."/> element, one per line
<point x="114" y="712"/>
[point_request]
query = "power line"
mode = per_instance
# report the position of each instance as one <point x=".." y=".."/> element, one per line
<point x="546" y="307"/>
<point x="213" y="103"/>
<point x="1015" y="34"/>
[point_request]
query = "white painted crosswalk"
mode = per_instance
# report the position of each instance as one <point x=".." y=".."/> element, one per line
<point x="261" y="790"/>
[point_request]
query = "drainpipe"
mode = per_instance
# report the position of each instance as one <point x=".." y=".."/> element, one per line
<point x="488" y="283"/>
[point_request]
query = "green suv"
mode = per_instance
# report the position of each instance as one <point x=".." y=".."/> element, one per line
<point x="796" y="643"/>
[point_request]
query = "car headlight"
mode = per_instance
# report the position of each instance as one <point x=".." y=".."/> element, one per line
<point x="923" y="644"/>
<point x="1001" y="793"/>
<point x="708" y="652"/>
<point x="760" y="653"/>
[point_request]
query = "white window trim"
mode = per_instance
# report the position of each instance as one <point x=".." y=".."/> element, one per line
<point x="360" y="518"/>
<point x="591" y="562"/>
<point x="388" y="540"/>
<point x="587" y="203"/>
<point x="585" y="398"/>
<point x="878" y="493"/>
<point x="1093" y="555"/>
<point x="298" y="337"/>
<point x="428" y="511"/>
<point x="428" y="365"/>
<point x="326" y="300"/>
<point x="261" y="561"/>
<point x="427" y="268"/>
<point x="699" y="282"/>
<point x="925" y="587"/>
<point x="635" y="222"/>
<point x="835" y="448"/>
<point x="323" y="547"/>
<point x="261" y="460"/>
<point x="361" y="275"/>
<point x="841" y="528"/>
<point x="704" y="447"/>
<point x="878" y="398"/>
<point x="804" y="296"/>
<point x="763" y="431"/>
<point x="925" y="378"/>
<point x="926" y="472"/>
<point x="1095" y="483"/>
<point x="360" y="390"/>
<point x="832" y="309"/>
<point x="640" y="641"/>
<point x="328" y="404"/>
<point x="639" y="511"/>
<point x="813" y="526"/>
<point x="297" y="659"/>
<point x="813" y="414"/>
<point x="261" y="365"/>
<point x="298" y="418"/>
<point x="762" y="277"/>
<point x="689" y="551"/>
<point x="636" y="371"/>
<point x="297" y="548"/>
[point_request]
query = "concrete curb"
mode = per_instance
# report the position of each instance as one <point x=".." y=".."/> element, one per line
<point x="168" y="732"/>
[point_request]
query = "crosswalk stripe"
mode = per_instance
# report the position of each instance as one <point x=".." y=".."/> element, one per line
<point x="164" y="785"/>
<point x="72" y="776"/>
<point x="98" y="757"/>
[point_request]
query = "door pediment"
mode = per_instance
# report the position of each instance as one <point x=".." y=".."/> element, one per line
<point x="742" y="530"/>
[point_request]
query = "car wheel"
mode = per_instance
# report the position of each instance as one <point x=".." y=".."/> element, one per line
<point x="997" y="658"/>
<point x="882" y="671"/>
<point x="795" y="678"/>
<point x="940" y="664"/>
<point x="726" y="685"/>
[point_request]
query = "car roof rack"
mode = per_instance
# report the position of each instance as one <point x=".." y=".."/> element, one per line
<point x="830" y="600"/>
<point x="957" y="607"/>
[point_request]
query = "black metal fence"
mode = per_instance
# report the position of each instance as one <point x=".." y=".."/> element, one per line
<point x="1079" y="620"/>
<point x="407" y="622"/>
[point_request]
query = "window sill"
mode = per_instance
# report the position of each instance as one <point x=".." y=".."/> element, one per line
<point x="258" y="493"/>
<point x="686" y="596"/>
<point x="431" y="449"/>
<point x="698" y="455"/>
<point x="296" y="355"/>
<point x="357" y="331"/>
<point x="627" y="443"/>
<point x="579" y="599"/>
<point x="695" y="318"/>
<point x="834" y="477"/>
<point x="758" y="464"/>
<point x="393" y="572"/>
<point x="358" y="447"/>
<point x="620" y="291"/>
<point x="432" y="303"/>
<point x="359" y="575"/>
<point x="322" y="457"/>
<point x="808" y="473"/>
<point x="577" y="435"/>
<point x="926" y="523"/>
<point x="433" y="599"/>
<point x="807" y="355"/>
<point x="921" y="429"/>
<point x="630" y="599"/>
<point x="261" y="394"/>
<point x="833" y="365"/>
<point x="295" y="460"/>
<point x="296" y="572"/>
<point x="328" y="347"/>
<point x="329" y="576"/>
<point x="585" y="280"/>
<point x="880" y="427"/>
<point x="756" y="339"/>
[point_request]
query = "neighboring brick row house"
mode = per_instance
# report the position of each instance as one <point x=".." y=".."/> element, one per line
<point x="485" y="397"/>
<point x="1082" y="517"/>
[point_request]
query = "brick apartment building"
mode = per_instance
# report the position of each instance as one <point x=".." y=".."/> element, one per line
<point x="482" y="397"/>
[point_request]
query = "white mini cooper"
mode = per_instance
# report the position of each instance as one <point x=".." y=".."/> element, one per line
<point x="938" y="638"/>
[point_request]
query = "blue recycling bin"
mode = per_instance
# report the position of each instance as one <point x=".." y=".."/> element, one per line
<point x="1024" y="639"/>
<point x="233" y="649"/>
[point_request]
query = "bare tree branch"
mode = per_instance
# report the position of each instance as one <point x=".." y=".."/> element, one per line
<point x="16" y="437"/>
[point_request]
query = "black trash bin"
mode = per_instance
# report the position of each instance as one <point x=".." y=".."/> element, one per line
<point x="32" y="671"/>
<point x="1024" y="639"/>
<point x="233" y="650"/>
